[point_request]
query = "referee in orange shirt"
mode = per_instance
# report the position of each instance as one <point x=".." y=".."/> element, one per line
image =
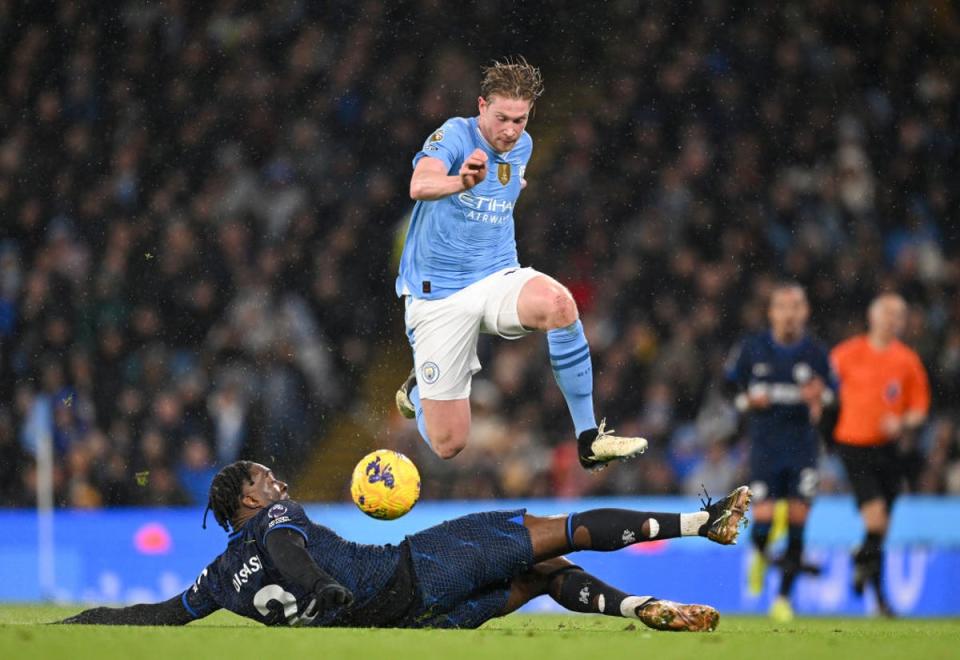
<point x="884" y="399"/>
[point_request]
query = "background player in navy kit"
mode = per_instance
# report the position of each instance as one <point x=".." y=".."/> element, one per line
<point x="280" y="568"/>
<point x="460" y="276"/>
<point x="782" y="380"/>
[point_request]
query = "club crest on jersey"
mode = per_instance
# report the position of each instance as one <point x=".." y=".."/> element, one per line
<point x="503" y="173"/>
<point x="276" y="511"/>
<point x="436" y="137"/>
<point x="430" y="373"/>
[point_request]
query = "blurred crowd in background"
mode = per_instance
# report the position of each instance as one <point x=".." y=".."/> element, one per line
<point x="200" y="204"/>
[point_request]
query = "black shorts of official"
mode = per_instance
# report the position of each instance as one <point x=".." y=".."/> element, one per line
<point x="874" y="471"/>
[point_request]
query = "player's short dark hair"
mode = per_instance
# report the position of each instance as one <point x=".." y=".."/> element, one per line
<point x="226" y="491"/>
<point x="513" y="78"/>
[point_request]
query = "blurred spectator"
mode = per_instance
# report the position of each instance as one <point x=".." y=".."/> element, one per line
<point x="199" y="204"/>
<point x="14" y="461"/>
<point x="196" y="469"/>
<point x="716" y="472"/>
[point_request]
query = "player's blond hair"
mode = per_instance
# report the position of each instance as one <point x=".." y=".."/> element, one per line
<point x="513" y="78"/>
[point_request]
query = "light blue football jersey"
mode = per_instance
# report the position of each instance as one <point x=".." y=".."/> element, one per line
<point x="457" y="240"/>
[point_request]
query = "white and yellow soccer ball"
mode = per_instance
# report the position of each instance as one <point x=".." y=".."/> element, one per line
<point x="385" y="484"/>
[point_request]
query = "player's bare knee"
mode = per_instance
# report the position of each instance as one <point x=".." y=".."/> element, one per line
<point x="447" y="451"/>
<point x="875" y="515"/>
<point x="448" y="444"/>
<point x="563" y="310"/>
<point x="763" y="511"/>
<point x="524" y="588"/>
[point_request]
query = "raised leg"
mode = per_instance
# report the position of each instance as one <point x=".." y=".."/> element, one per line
<point x="613" y="529"/>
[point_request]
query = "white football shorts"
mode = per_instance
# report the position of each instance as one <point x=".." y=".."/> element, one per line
<point x="443" y="333"/>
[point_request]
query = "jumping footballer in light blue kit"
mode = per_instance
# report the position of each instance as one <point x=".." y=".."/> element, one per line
<point x="459" y="273"/>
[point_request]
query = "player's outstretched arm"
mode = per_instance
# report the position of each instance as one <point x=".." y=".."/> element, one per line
<point x="168" y="613"/>
<point x="430" y="180"/>
<point x="289" y="554"/>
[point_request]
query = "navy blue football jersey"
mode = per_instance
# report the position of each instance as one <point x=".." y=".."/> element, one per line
<point x="244" y="579"/>
<point x="761" y="364"/>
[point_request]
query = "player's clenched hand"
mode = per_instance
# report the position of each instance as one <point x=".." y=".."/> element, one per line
<point x="334" y="595"/>
<point x="327" y="597"/>
<point x="324" y="597"/>
<point x="474" y="169"/>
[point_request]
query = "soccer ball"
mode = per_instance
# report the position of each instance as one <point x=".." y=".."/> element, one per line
<point x="385" y="484"/>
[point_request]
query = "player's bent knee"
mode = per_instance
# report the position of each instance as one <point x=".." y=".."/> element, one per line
<point x="763" y="511"/>
<point x="545" y="304"/>
<point x="560" y="309"/>
<point x="447" y="425"/>
<point x="529" y="585"/>
<point x="875" y="516"/>
<point x="797" y="511"/>
<point x="447" y="450"/>
<point x="447" y="443"/>
<point x="565" y="310"/>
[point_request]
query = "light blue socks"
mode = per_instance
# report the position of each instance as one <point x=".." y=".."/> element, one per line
<point x="573" y="371"/>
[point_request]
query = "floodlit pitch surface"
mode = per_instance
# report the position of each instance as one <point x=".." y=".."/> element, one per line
<point x="550" y="637"/>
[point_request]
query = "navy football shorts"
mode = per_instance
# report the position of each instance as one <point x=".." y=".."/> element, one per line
<point x="463" y="568"/>
<point x="779" y="472"/>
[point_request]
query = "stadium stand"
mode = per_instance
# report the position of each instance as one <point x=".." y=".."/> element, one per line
<point x="200" y="204"/>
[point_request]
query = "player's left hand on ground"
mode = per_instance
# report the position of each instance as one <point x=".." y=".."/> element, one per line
<point x="334" y="595"/>
<point x="327" y="597"/>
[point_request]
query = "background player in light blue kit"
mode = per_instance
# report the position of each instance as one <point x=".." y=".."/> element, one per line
<point x="782" y="380"/>
<point x="460" y="276"/>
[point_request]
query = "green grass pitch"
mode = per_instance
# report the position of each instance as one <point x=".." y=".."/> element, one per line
<point x="550" y="637"/>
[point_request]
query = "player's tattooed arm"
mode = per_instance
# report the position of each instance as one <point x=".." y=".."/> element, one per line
<point x="168" y="613"/>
